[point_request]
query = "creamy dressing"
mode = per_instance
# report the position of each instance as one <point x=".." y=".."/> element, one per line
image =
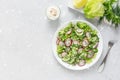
<point x="53" y="12"/>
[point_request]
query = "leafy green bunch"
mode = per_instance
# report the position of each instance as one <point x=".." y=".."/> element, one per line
<point x="112" y="12"/>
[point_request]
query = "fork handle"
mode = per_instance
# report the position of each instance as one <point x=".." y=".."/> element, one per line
<point x="102" y="65"/>
<point x="105" y="58"/>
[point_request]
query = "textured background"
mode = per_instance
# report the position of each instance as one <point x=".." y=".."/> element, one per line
<point x="25" y="42"/>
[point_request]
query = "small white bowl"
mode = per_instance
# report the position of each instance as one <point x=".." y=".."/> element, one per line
<point x="50" y="16"/>
<point x="71" y="67"/>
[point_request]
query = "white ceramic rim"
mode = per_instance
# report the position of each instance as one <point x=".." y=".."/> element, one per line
<point x="71" y="67"/>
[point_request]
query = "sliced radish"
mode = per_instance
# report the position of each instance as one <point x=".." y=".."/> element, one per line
<point x="82" y="63"/>
<point x="61" y="43"/>
<point x="58" y="40"/>
<point x="85" y="42"/>
<point x="69" y="32"/>
<point x="79" y="30"/>
<point x="68" y="42"/>
<point x="96" y="45"/>
<point x="80" y="50"/>
<point x="75" y="42"/>
<point x="63" y="54"/>
<point x="88" y="35"/>
<point x="90" y="54"/>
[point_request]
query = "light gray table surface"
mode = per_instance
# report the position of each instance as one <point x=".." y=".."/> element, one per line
<point x="26" y="42"/>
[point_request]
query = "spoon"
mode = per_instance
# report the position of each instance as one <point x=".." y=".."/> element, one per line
<point x="102" y="65"/>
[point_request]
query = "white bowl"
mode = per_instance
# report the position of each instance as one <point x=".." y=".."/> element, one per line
<point x="68" y="66"/>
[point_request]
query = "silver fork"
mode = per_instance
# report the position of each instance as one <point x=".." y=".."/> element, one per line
<point x="102" y="65"/>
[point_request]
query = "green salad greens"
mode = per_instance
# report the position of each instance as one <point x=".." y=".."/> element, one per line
<point x="77" y="43"/>
<point x="94" y="8"/>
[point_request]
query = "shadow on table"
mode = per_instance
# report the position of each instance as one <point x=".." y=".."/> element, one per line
<point x="53" y="24"/>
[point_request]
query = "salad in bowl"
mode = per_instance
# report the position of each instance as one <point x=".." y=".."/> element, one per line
<point x="77" y="45"/>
